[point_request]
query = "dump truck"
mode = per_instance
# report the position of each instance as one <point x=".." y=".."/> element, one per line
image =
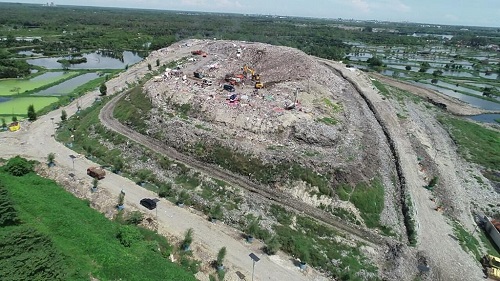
<point x="492" y="227"/>
<point x="96" y="172"/>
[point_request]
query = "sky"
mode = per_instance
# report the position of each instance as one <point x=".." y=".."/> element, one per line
<point x="450" y="12"/>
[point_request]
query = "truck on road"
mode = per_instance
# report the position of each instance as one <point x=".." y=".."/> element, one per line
<point x="96" y="172"/>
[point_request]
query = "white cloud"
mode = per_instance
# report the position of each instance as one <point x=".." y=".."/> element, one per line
<point x="362" y="5"/>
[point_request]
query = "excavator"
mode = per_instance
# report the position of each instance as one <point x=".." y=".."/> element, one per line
<point x="255" y="76"/>
<point x="247" y="69"/>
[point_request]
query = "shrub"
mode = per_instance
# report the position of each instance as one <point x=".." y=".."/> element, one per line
<point x="31" y="113"/>
<point x="272" y="245"/>
<point x="216" y="212"/>
<point x="8" y="214"/>
<point x="103" y="89"/>
<point x="50" y="158"/>
<point x="253" y="227"/>
<point x="221" y="255"/>
<point x="134" y="218"/>
<point x="128" y="235"/>
<point x="18" y="166"/>
<point x="64" y="115"/>
<point x="188" y="238"/>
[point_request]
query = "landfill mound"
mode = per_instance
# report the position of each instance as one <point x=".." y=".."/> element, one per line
<point x="305" y="125"/>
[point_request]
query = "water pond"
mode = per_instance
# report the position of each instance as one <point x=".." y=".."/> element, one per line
<point x="486" y="118"/>
<point x="95" y="60"/>
<point x="455" y="87"/>
<point x="477" y="102"/>
<point x="2" y="99"/>
<point x="67" y="86"/>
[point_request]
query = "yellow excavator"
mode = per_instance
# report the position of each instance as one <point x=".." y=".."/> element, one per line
<point x="255" y="76"/>
<point x="247" y="69"/>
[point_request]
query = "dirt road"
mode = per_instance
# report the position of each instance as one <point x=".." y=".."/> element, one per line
<point x="434" y="232"/>
<point x="36" y="140"/>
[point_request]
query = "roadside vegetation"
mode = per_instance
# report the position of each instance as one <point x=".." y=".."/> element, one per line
<point x="59" y="237"/>
<point x="475" y="142"/>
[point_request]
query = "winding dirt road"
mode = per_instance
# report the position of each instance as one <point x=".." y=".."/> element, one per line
<point x="448" y="260"/>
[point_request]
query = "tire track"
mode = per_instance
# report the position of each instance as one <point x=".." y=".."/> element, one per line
<point x="265" y="193"/>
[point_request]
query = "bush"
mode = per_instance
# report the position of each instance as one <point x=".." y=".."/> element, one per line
<point x="64" y="115"/>
<point x="134" y="218"/>
<point x="272" y="245"/>
<point x="18" y="166"/>
<point x="188" y="239"/>
<point x="221" y="255"/>
<point x="216" y="212"/>
<point x="31" y="113"/>
<point x="8" y="214"/>
<point x="128" y="235"/>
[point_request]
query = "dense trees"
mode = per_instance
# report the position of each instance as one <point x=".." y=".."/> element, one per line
<point x="11" y="68"/>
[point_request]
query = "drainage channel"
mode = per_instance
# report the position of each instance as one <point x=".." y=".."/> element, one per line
<point x="408" y="220"/>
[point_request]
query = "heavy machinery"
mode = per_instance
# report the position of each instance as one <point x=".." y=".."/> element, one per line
<point x="259" y="85"/>
<point x="247" y="69"/>
<point x="491" y="266"/>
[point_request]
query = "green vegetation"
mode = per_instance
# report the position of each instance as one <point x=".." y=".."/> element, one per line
<point x="18" y="106"/>
<point x="61" y="238"/>
<point x="313" y="243"/>
<point x="369" y="199"/>
<point x="327" y="120"/>
<point x="383" y="90"/>
<point x="133" y="113"/>
<point x="475" y="143"/>
<point x="468" y="242"/>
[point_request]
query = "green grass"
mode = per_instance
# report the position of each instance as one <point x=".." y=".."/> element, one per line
<point x="369" y="199"/>
<point x="327" y="120"/>
<point x="8" y="86"/>
<point x="133" y="113"/>
<point x="468" y="242"/>
<point x="87" y="240"/>
<point x="383" y="90"/>
<point x="19" y="106"/>
<point x="475" y="143"/>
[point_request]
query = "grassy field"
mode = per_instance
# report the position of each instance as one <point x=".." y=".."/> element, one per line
<point x="19" y="106"/>
<point x="9" y="87"/>
<point x="83" y="241"/>
<point x="475" y="143"/>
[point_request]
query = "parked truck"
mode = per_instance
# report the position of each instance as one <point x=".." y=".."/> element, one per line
<point x="96" y="172"/>
<point x="492" y="227"/>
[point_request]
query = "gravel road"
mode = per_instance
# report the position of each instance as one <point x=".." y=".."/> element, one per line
<point x="444" y="254"/>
